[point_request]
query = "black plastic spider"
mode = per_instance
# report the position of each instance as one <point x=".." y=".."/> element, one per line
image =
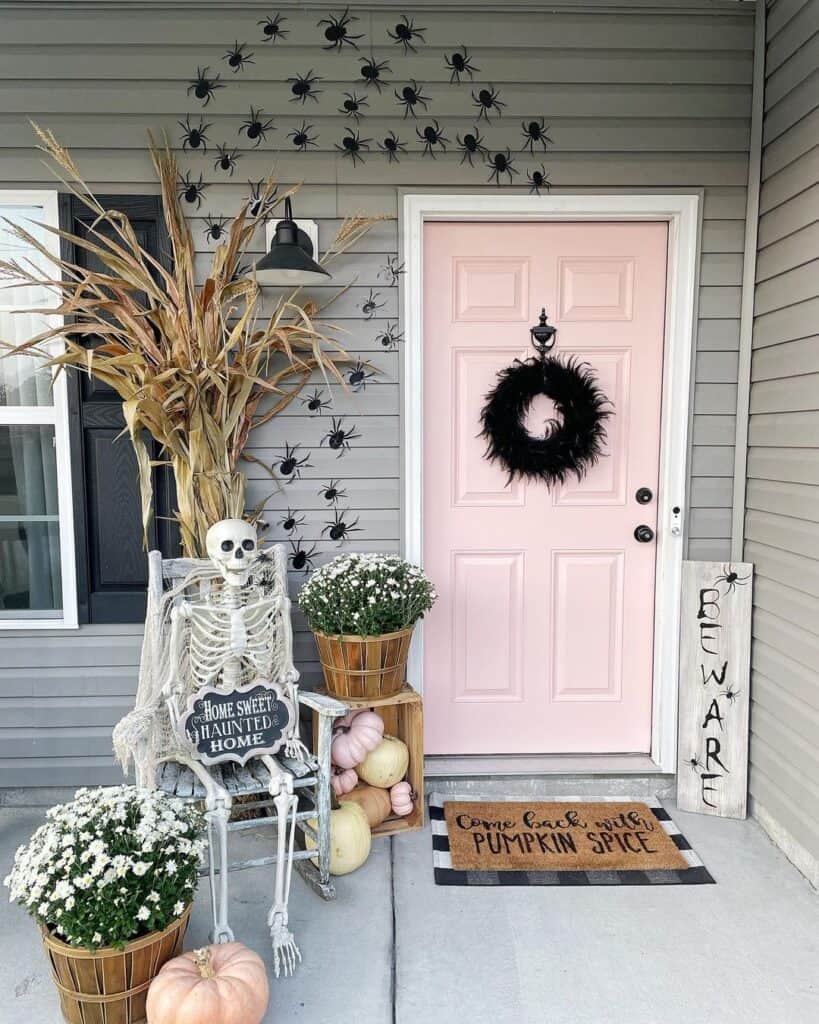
<point x="391" y="271"/>
<point x="338" y="529"/>
<point x="460" y="63"/>
<point x="358" y="376"/>
<point x="534" y="132"/>
<point x="471" y="145"/>
<point x="432" y="135"/>
<point x="272" y="28"/>
<point x="392" y="146"/>
<point x="731" y="579"/>
<point x="390" y="337"/>
<point x="731" y="695"/>
<point x="694" y="763"/>
<point x="411" y="96"/>
<point x="302" y="138"/>
<point x="302" y="87"/>
<point x="371" y="305"/>
<point x="291" y="521"/>
<point x="241" y="272"/>
<point x="256" y="197"/>
<point x="486" y="100"/>
<point x="254" y="127"/>
<point x="237" y="58"/>
<point x="501" y="163"/>
<point x="203" y="87"/>
<point x="352" y="106"/>
<point x="191" y="191"/>
<point x="406" y="33"/>
<point x="337" y="438"/>
<point x="300" y="558"/>
<point x="291" y="465"/>
<point x="194" y="136"/>
<point x="337" y="31"/>
<point x="316" y="403"/>
<point x="226" y="160"/>
<point x="332" y="493"/>
<point x="215" y="228"/>
<point x="352" y="145"/>
<point x="538" y="179"/>
<point x="370" y="72"/>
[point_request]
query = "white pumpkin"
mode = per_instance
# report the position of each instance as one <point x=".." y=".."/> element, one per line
<point x="350" y="838"/>
<point x="385" y="765"/>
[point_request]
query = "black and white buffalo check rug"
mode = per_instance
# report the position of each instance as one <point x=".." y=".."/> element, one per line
<point x="560" y="841"/>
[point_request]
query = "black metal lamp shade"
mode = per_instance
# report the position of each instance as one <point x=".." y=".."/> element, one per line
<point x="290" y="259"/>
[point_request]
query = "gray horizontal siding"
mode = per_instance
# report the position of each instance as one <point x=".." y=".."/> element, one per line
<point x="638" y="100"/>
<point x="782" y="496"/>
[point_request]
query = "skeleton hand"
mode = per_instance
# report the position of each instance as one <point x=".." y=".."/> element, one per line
<point x="295" y="749"/>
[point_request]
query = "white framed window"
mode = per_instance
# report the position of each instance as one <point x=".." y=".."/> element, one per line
<point x="37" y="569"/>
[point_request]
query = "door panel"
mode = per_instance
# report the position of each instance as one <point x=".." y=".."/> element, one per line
<point x="542" y="640"/>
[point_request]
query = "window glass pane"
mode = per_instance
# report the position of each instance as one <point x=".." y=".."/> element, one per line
<point x="11" y="248"/>
<point x="24" y="380"/>
<point x="29" y="523"/>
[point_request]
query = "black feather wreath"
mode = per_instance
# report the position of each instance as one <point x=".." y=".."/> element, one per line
<point x="573" y="440"/>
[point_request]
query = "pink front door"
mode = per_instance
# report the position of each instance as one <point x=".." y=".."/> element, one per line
<point x="542" y="638"/>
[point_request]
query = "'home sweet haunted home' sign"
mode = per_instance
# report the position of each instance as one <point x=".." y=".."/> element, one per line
<point x="715" y="654"/>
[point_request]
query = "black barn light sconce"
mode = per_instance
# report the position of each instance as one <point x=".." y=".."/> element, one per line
<point x="289" y="260"/>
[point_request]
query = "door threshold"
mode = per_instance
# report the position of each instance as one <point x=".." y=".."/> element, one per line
<point x="439" y="765"/>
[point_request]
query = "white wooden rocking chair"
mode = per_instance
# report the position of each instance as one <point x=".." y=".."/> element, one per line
<point x="312" y="782"/>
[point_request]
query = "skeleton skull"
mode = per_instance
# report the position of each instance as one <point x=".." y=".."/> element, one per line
<point x="231" y="545"/>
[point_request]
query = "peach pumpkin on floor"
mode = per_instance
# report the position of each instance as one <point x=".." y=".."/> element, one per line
<point x="222" y="984"/>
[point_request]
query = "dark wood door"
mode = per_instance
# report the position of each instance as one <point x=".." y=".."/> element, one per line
<point x="112" y="570"/>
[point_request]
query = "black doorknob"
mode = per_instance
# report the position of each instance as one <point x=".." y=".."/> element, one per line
<point x="643" y="496"/>
<point x="643" y="533"/>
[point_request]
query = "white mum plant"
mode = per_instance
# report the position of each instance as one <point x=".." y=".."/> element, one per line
<point x="111" y="866"/>
<point x="366" y="595"/>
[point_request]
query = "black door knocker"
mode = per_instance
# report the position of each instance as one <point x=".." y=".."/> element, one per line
<point x="573" y="439"/>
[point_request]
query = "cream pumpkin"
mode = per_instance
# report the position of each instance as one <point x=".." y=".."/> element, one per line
<point x="376" y="803"/>
<point x="385" y="765"/>
<point x="222" y="984"/>
<point x="350" y="838"/>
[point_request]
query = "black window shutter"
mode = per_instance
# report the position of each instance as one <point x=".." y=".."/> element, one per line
<point x="112" y="567"/>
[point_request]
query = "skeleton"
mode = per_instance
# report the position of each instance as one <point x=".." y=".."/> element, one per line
<point x="236" y="632"/>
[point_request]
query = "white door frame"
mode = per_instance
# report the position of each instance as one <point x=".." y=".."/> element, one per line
<point x="681" y="213"/>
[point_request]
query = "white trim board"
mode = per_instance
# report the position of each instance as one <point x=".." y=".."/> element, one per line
<point x="681" y="212"/>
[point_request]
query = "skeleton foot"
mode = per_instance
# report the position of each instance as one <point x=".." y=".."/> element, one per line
<point x="285" y="951"/>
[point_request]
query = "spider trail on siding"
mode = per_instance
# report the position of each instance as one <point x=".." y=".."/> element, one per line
<point x="191" y="191"/>
<point x="370" y="306"/>
<point x="538" y="179"/>
<point x="291" y="465"/>
<point x="390" y="338"/>
<point x="353" y="106"/>
<point x="534" y="133"/>
<point x="254" y="198"/>
<point x="215" y="228"/>
<point x="339" y="529"/>
<point x="487" y="100"/>
<point x="471" y="145"/>
<point x="302" y="139"/>
<point x="358" y="376"/>
<point x="352" y="146"/>
<point x="226" y="159"/>
<point x="301" y="559"/>
<point x="291" y="521"/>
<point x="255" y="128"/>
<point x="194" y="136"/>
<point x="391" y="271"/>
<point x="331" y="492"/>
<point x="316" y="403"/>
<point x="432" y="135"/>
<point x="410" y="96"/>
<point x="337" y="438"/>
<point x="501" y="163"/>
<point x="204" y="87"/>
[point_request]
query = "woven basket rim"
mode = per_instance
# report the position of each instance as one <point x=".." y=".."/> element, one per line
<point x="365" y="636"/>
<point x="104" y="952"/>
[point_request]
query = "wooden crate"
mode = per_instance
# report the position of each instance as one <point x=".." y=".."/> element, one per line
<point x="403" y="717"/>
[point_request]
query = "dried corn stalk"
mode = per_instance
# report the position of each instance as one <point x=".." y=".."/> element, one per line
<point x="197" y="367"/>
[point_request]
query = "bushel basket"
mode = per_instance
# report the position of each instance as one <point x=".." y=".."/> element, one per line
<point x="110" y="986"/>
<point x="364" y="666"/>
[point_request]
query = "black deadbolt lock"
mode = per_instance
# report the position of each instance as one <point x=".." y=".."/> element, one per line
<point x="643" y="533"/>
<point x="643" y="496"/>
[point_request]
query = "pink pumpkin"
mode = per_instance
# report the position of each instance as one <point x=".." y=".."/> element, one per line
<point x="355" y="738"/>
<point x="343" y="780"/>
<point x="402" y="799"/>
<point x="223" y="984"/>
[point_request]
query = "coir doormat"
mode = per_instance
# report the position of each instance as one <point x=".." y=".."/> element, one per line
<point x="606" y="841"/>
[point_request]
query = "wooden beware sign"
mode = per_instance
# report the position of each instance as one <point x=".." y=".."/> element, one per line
<point x="715" y="656"/>
<point x="235" y="725"/>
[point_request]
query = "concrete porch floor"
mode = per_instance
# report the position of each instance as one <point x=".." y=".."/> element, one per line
<point x="395" y="949"/>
